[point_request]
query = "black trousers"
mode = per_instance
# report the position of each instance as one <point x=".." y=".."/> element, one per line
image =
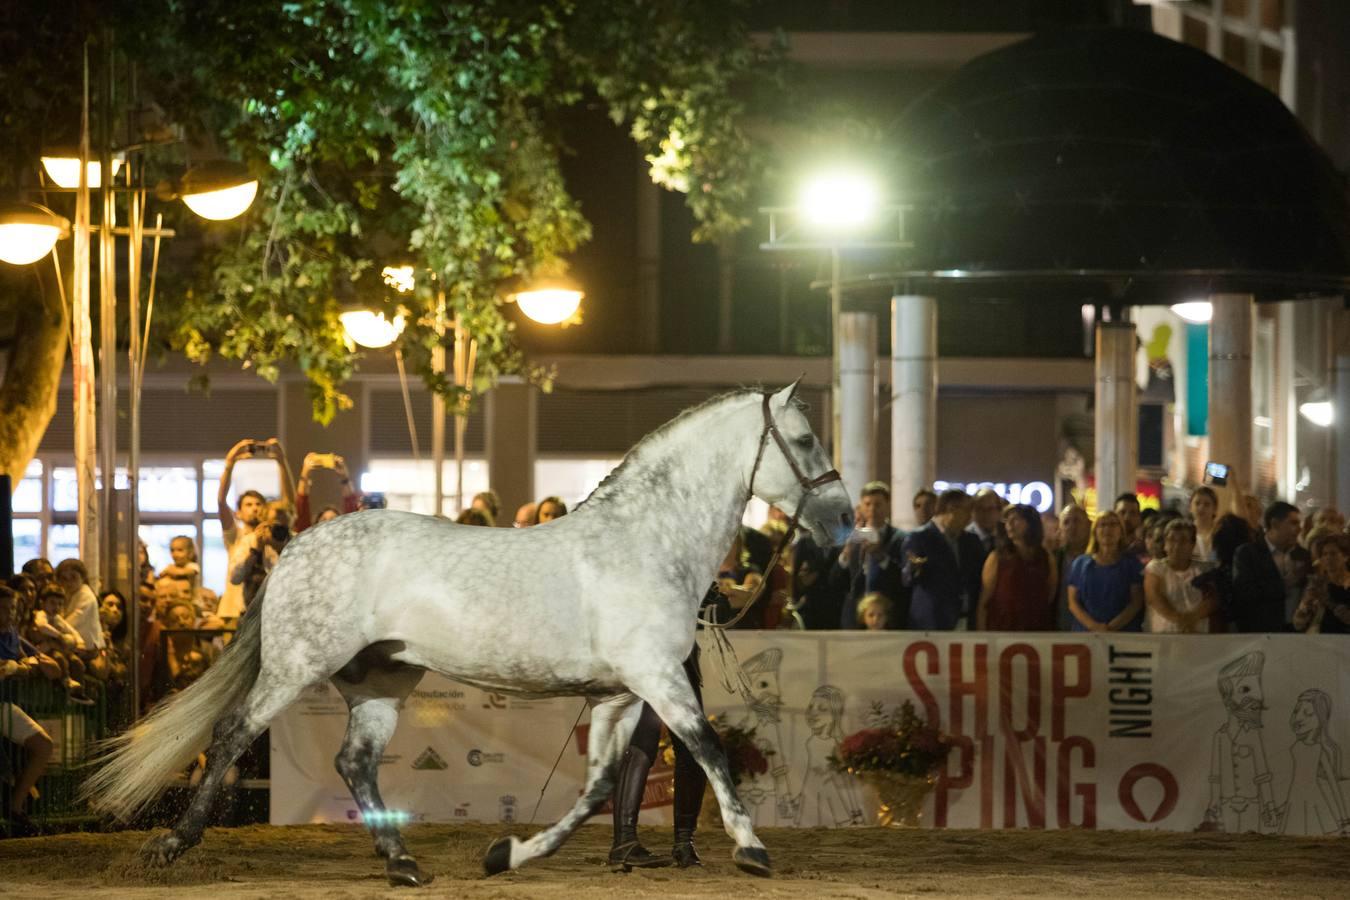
<point x="690" y="781"/>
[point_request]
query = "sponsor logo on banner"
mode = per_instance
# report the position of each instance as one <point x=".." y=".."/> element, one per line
<point x="461" y="811"/>
<point x="429" y="760"/>
<point x="478" y="757"/>
<point x="506" y="808"/>
<point x="422" y="701"/>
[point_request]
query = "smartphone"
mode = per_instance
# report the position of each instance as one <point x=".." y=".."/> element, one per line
<point x="325" y="460"/>
<point x="866" y="535"/>
<point x="1216" y="474"/>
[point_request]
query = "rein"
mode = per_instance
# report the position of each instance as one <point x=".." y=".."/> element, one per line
<point x="808" y="486"/>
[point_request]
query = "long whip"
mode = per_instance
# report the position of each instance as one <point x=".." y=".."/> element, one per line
<point x="561" y="751"/>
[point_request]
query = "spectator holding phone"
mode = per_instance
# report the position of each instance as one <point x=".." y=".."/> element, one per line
<point x="237" y="523"/>
<point x="263" y="548"/>
<point x="350" y="499"/>
<point x="871" y="561"/>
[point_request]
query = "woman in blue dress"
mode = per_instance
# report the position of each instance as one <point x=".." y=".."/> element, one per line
<point x="1105" y="585"/>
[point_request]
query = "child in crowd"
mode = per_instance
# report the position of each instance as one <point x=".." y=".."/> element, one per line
<point x="873" y="611"/>
<point x="55" y="638"/>
<point x="183" y="551"/>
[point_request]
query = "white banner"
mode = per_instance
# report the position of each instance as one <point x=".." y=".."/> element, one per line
<point x="1052" y="731"/>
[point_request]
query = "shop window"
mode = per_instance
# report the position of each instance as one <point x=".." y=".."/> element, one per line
<point x="410" y="485"/>
<point x="570" y="479"/>
<point x="27" y="541"/>
<point x="63" y="542"/>
<point x="28" y="495"/>
<point x="214" y="559"/>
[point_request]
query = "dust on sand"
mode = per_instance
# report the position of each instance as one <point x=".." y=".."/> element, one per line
<point x="316" y="861"/>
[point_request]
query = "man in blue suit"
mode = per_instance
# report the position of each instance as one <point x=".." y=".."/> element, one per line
<point x="870" y="561"/>
<point x="942" y="565"/>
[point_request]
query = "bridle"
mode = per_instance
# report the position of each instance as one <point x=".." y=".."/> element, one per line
<point x="808" y="486"/>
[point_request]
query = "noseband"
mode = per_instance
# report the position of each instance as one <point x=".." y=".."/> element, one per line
<point x="808" y="486"/>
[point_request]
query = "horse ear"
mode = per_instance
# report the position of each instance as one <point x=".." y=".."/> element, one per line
<point x="784" y="397"/>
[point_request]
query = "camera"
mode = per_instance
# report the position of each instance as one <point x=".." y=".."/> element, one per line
<point x="1216" y="474"/>
<point x="281" y="533"/>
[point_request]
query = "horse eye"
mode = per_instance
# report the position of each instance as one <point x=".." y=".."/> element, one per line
<point x="805" y="441"/>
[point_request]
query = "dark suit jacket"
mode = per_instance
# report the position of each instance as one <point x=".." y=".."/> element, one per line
<point x="945" y="586"/>
<point x="1258" y="587"/>
<point x="851" y="581"/>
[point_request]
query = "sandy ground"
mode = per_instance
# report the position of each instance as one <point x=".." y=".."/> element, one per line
<point x="310" y="862"/>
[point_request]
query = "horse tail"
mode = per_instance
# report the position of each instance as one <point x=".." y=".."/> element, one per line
<point x="134" y="766"/>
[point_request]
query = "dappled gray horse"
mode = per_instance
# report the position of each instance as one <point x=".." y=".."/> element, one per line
<point x="600" y="603"/>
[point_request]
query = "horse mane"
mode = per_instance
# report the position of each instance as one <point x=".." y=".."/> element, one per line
<point x="614" y="481"/>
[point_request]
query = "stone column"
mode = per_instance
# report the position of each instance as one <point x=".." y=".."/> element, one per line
<point x="1116" y="435"/>
<point x="1231" y="338"/>
<point x="914" y="400"/>
<point x="858" y="399"/>
<point x="510" y="442"/>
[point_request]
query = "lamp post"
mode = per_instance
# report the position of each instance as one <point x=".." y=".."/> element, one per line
<point x="838" y="210"/>
<point x="29" y="232"/>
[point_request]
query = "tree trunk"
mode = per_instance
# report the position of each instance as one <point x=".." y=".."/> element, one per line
<point x="32" y="376"/>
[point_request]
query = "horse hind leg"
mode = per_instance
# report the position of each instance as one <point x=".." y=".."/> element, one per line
<point x="612" y="723"/>
<point x="231" y="736"/>
<point x="374" y="687"/>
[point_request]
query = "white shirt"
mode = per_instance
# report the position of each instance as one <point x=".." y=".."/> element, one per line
<point x="82" y="614"/>
<point x="1179" y="593"/>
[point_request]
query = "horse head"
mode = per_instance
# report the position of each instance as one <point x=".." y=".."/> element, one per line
<point x="794" y="473"/>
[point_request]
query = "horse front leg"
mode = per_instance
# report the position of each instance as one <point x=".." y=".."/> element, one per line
<point x="612" y="723"/>
<point x="671" y="697"/>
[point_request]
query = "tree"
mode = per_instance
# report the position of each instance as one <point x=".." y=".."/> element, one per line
<point x="430" y="133"/>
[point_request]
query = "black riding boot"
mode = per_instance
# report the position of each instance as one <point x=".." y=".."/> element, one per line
<point x="690" y="783"/>
<point x="627" y="853"/>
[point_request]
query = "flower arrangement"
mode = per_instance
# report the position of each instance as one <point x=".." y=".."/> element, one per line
<point x="899" y="742"/>
<point x="745" y="758"/>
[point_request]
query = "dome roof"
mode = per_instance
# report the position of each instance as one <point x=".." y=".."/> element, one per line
<point x="1118" y="156"/>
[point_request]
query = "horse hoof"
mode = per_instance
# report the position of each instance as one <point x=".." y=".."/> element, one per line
<point x="403" y="872"/>
<point x="752" y="860"/>
<point x="498" y="857"/>
<point x="162" y="849"/>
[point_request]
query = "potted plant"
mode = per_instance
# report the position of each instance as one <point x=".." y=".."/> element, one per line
<point x="899" y="756"/>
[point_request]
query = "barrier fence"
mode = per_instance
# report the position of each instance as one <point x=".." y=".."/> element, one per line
<point x="1130" y="731"/>
<point x="73" y="728"/>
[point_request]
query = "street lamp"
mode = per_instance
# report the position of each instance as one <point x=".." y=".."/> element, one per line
<point x="1319" y="412"/>
<point x="28" y="232"/>
<point x="550" y="301"/>
<point x="1197" y="312"/>
<point x="369" y="328"/>
<point x="837" y="209"/>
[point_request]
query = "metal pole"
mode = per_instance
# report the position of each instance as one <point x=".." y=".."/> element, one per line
<point x="407" y="404"/>
<point x="83" y="378"/>
<point x="135" y="222"/>
<point x="107" y="291"/>
<point x="1341" y="426"/>
<point x="836" y="401"/>
<point x="438" y="407"/>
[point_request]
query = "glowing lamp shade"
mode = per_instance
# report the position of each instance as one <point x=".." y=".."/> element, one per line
<point x="1197" y="312"/>
<point x="370" y="329"/>
<point x="1319" y="412"/>
<point x="839" y="200"/>
<point x="549" y="305"/>
<point x="28" y="232"/>
<point x="218" y="190"/>
<point x="63" y="167"/>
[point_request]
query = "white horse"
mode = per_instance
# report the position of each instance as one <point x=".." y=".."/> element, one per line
<point x="600" y="603"/>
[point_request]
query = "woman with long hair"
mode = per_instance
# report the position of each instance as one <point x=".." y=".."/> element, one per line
<point x="1315" y="804"/>
<point x="1106" y="583"/>
<point x="1325" y="605"/>
<point x="1018" y="583"/>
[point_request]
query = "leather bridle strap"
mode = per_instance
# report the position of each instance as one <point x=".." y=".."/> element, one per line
<point x="808" y="486"/>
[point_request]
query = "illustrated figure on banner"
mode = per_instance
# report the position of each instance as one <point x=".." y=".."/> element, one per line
<point x="827" y="797"/>
<point x="1240" y="794"/>
<point x="768" y="796"/>
<point x="1316" y="803"/>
